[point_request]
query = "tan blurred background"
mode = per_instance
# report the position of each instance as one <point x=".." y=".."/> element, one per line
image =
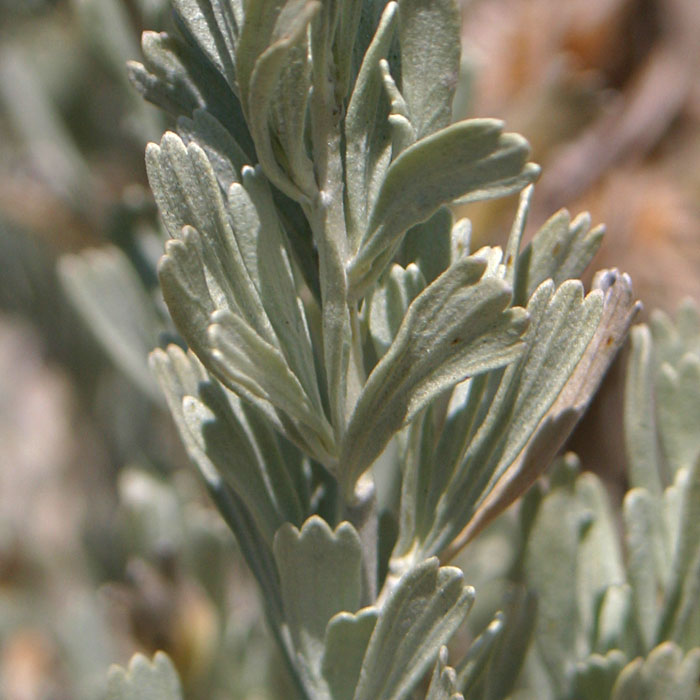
<point x="606" y="91"/>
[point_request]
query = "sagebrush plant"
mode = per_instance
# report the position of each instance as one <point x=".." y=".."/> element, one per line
<point x="363" y="394"/>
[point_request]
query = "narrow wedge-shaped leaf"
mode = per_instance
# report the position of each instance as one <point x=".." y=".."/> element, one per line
<point x="188" y="194"/>
<point x="264" y="247"/>
<point x="471" y="158"/>
<point x="473" y="666"/>
<point x="678" y="408"/>
<point x="429" y="37"/>
<point x="347" y="636"/>
<point x="600" y="565"/>
<point x="286" y="59"/>
<point x="595" y="676"/>
<point x="619" y="310"/>
<point x="687" y="545"/>
<point x="560" y="250"/>
<point x="665" y="674"/>
<point x="258" y="478"/>
<point x="264" y="22"/>
<point x="422" y="612"/>
<point x="460" y="325"/>
<point x="320" y="576"/>
<point x="443" y="684"/>
<point x="155" y="680"/>
<point x="178" y="78"/>
<point x="244" y="359"/>
<point x="550" y="563"/>
<point x="648" y="560"/>
<point x="180" y="375"/>
<point x="367" y="133"/>
<point x="641" y="441"/>
<point x="490" y="449"/>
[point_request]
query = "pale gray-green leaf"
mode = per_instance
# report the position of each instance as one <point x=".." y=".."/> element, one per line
<point x="389" y="302"/>
<point x="347" y="636"/>
<point x="154" y="680"/>
<point x="458" y="326"/>
<point x="641" y="441"/>
<point x="648" y="560"/>
<point x="594" y="677"/>
<point x="473" y="666"/>
<point x="423" y="611"/>
<point x="279" y="85"/>
<point x="367" y="132"/>
<point x="320" y="575"/>
<point x="664" y="675"/>
<point x="430" y="51"/>
<point x="560" y="250"/>
<point x="471" y="158"/>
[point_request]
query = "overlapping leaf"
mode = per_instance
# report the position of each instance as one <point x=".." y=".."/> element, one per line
<point x="320" y="574"/>
<point x="456" y="327"/>
<point x="423" y="611"/>
<point x="470" y="160"/>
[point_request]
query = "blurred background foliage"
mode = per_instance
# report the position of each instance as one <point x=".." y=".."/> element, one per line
<point x="107" y="543"/>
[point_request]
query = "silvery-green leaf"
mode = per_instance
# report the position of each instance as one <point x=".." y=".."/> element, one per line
<point x="581" y="382"/>
<point x="179" y="79"/>
<point x="181" y="375"/>
<point x="472" y="159"/>
<point x="641" y="441"/>
<point x="389" y="302"/>
<point x="155" y="680"/>
<point x="188" y="194"/>
<point x="664" y="675"/>
<point x="443" y="684"/>
<point x="619" y="310"/>
<point x="648" y="559"/>
<point x="430" y="51"/>
<point x="560" y="250"/>
<point x="264" y="251"/>
<point x="278" y="91"/>
<point x="594" y="677"/>
<point x="244" y="359"/>
<point x="429" y="245"/>
<point x="367" y="133"/>
<point x="458" y="326"/>
<point x="106" y="290"/>
<point x="347" y="636"/>
<point x="494" y="436"/>
<point x="599" y="564"/>
<point x="214" y="26"/>
<point x="687" y="545"/>
<point x="422" y="612"/>
<point x="678" y="409"/>
<point x="550" y="563"/>
<point x="226" y="157"/>
<point x="320" y="576"/>
<point x="473" y="665"/>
